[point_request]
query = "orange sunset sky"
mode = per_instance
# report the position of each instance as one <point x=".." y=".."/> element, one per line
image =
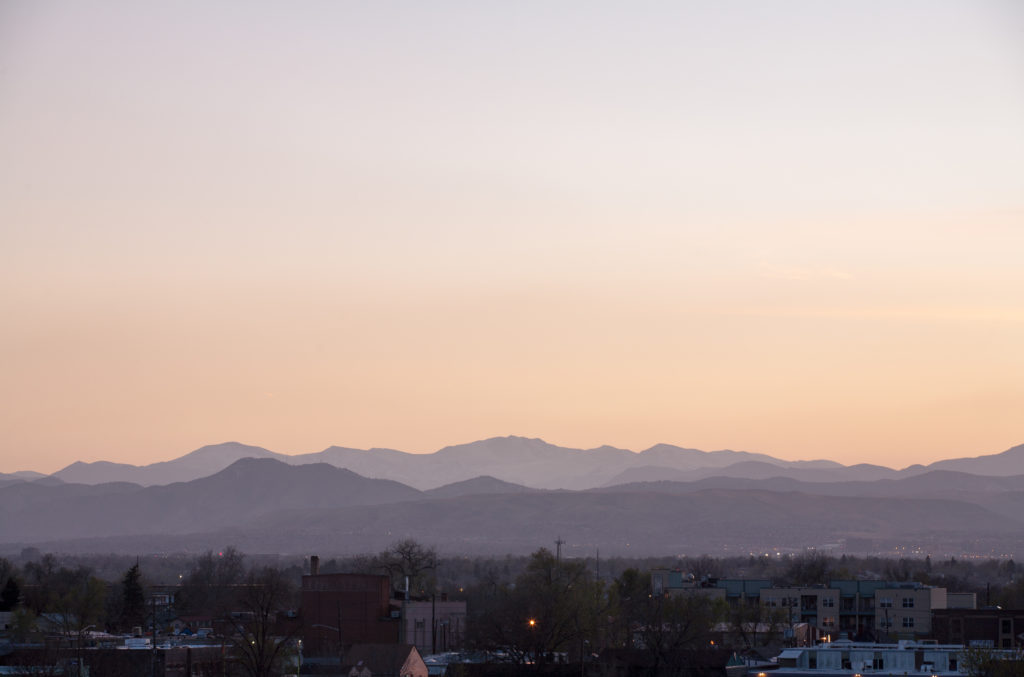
<point x="794" y="228"/>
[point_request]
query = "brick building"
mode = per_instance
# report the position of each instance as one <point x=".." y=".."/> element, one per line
<point x="339" y="610"/>
<point x="992" y="627"/>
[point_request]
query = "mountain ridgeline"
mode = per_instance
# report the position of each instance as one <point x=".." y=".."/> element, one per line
<point x="530" y="462"/>
<point x="509" y="495"/>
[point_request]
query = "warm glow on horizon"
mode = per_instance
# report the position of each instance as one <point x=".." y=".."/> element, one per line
<point x="794" y="230"/>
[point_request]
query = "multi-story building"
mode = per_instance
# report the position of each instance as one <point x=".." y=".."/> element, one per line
<point x="817" y="606"/>
<point x="905" y="609"/>
<point x="860" y="610"/>
<point x="990" y="627"/>
<point x="743" y="590"/>
<point x="857" y="608"/>
<point x="339" y="610"/>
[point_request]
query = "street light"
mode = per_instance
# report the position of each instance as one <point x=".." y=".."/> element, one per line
<point x="532" y="623"/>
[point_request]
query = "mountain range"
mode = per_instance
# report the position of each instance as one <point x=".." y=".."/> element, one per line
<point x="748" y="503"/>
<point x="530" y="462"/>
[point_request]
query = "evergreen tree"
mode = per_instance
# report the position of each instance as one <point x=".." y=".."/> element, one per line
<point x="133" y="599"/>
<point x="10" y="596"/>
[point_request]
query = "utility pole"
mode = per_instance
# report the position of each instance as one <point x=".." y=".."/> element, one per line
<point x="340" y="649"/>
<point x="153" y="653"/>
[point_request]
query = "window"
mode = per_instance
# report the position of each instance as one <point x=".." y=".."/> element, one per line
<point x="1007" y="626"/>
<point x="828" y="622"/>
<point x="908" y="602"/>
<point x="885" y="602"/>
<point x="885" y="622"/>
<point x="908" y="621"/>
<point x="828" y="602"/>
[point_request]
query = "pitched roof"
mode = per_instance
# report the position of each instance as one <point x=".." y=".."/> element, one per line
<point x="381" y="659"/>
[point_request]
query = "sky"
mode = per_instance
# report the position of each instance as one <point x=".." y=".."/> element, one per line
<point x="793" y="228"/>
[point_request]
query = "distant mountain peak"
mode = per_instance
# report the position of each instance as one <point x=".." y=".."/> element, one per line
<point x="1009" y="462"/>
<point x="230" y="448"/>
<point x="499" y="445"/>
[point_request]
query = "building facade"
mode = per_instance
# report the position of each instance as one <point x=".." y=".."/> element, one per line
<point x="343" y="609"/>
<point x="860" y="610"/>
<point x="991" y="627"/>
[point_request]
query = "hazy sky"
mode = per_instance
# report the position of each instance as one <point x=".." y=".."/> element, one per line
<point x="794" y="228"/>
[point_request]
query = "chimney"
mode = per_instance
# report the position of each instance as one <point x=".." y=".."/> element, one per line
<point x="314" y="565"/>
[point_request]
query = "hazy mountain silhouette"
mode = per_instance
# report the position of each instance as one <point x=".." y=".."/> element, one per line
<point x="756" y="470"/>
<point x="934" y="484"/>
<point x="1009" y="462"/>
<point x="478" y="486"/>
<point x="265" y="505"/>
<point x="533" y="463"/>
<point x="246" y="490"/>
<point x="20" y="476"/>
<point x="616" y="522"/>
<point x="679" y="458"/>
<point x="202" y="462"/>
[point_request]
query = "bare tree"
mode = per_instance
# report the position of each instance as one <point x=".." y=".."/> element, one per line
<point x="210" y="585"/>
<point x="412" y="559"/>
<point x="554" y="606"/>
<point x="675" y="625"/>
<point x="260" y="646"/>
<point x="984" y="662"/>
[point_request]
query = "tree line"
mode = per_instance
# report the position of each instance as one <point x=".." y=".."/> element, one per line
<point x="528" y="609"/>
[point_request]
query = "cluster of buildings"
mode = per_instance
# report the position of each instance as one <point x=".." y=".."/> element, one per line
<point x="351" y="625"/>
<point x="860" y="610"/>
<point x="356" y="625"/>
<point x="345" y="612"/>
